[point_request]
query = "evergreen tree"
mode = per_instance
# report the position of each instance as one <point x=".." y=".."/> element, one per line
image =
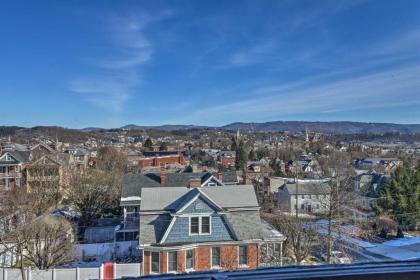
<point x="241" y="156"/>
<point x="163" y="146"/>
<point x="400" y="197"/>
<point x="234" y="145"/>
<point x="148" y="143"/>
<point x="251" y="155"/>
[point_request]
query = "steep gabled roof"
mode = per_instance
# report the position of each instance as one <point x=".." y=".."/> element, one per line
<point x="307" y="188"/>
<point x="133" y="183"/>
<point x="239" y="211"/>
<point x="169" y="198"/>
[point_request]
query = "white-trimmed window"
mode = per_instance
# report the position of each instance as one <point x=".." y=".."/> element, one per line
<point x="189" y="259"/>
<point x="205" y="225"/>
<point x="155" y="262"/>
<point x="243" y="255"/>
<point x="172" y="261"/>
<point x="200" y="225"/>
<point x="215" y="257"/>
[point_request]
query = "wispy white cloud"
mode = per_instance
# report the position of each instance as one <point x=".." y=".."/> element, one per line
<point x="380" y="90"/>
<point x="120" y="70"/>
<point x="109" y="92"/>
<point x="253" y="55"/>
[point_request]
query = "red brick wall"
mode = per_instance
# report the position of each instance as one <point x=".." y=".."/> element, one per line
<point x="181" y="261"/>
<point x="229" y="257"/>
<point x="146" y="263"/>
<point x="202" y="261"/>
<point x="252" y="256"/>
<point x="157" y="161"/>
<point x="202" y="258"/>
<point x="163" y="263"/>
<point x="194" y="183"/>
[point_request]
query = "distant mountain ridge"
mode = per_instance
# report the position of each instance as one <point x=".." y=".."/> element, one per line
<point x="333" y="127"/>
<point x="342" y="127"/>
<point x="325" y="127"/>
<point x="165" y="127"/>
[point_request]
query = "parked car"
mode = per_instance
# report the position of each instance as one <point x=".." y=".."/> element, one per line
<point x="337" y="257"/>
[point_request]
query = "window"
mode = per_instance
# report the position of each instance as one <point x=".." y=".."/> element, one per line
<point x="243" y="255"/>
<point x="189" y="259"/>
<point x="200" y="225"/>
<point x="172" y="261"/>
<point x="303" y="196"/>
<point x="155" y="262"/>
<point x="120" y="236"/>
<point x="194" y="225"/>
<point x="205" y="225"/>
<point x="215" y="257"/>
<point x="302" y="206"/>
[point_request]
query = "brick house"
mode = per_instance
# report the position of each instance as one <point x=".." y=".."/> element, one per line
<point x="12" y="166"/>
<point x="184" y="229"/>
<point x="162" y="160"/>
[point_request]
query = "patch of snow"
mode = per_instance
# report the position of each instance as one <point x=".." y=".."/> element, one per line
<point x="130" y="198"/>
<point x="403" y="241"/>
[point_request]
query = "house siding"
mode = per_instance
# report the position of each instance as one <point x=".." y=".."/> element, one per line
<point x="180" y="231"/>
<point x="199" y="206"/>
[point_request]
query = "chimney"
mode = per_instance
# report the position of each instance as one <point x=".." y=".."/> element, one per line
<point x="162" y="175"/>
<point x="195" y="182"/>
<point x="220" y="176"/>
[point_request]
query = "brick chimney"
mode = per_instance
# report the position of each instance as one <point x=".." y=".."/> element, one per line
<point x="220" y="176"/>
<point x="162" y="175"/>
<point x="195" y="182"/>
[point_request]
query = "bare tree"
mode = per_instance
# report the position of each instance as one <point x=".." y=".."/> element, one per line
<point x="300" y="236"/>
<point x="93" y="193"/>
<point x="44" y="243"/>
<point x="112" y="160"/>
<point x="336" y="167"/>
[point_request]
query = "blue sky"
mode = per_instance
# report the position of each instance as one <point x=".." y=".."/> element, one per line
<point x="111" y="63"/>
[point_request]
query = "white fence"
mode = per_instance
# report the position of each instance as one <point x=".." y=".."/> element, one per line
<point x="107" y="251"/>
<point x="91" y="273"/>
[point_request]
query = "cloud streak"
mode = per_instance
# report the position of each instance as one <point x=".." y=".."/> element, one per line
<point x="119" y="71"/>
<point x="380" y="90"/>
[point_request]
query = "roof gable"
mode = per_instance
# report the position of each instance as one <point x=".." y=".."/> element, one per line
<point x="10" y="158"/>
<point x="199" y="203"/>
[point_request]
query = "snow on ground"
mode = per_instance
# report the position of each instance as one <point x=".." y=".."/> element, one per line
<point x="407" y="248"/>
<point x="403" y="241"/>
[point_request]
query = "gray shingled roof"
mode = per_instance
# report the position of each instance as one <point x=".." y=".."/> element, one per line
<point x="307" y="188"/>
<point x="133" y="183"/>
<point x="167" y="198"/>
<point x="232" y="196"/>
<point x="239" y="204"/>
<point x="153" y="227"/>
<point x="245" y="225"/>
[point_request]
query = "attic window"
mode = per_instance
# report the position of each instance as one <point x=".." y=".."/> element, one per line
<point x="200" y="225"/>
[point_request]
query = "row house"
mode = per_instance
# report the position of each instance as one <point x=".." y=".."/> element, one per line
<point x="186" y="229"/>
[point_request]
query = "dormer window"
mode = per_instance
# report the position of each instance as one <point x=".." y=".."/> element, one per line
<point x="200" y="225"/>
